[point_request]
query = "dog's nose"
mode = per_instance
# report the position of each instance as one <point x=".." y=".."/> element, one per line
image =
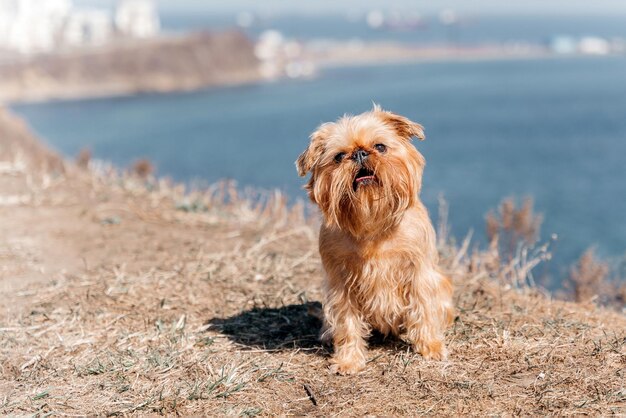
<point x="360" y="155"/>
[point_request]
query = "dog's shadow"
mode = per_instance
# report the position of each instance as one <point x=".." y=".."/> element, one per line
<point x="290" y="327"/>
<point x="286" y="328"/>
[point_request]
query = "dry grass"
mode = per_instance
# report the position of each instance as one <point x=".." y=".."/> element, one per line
<point x="234" y="332"/>
<point x="223" y="320"/>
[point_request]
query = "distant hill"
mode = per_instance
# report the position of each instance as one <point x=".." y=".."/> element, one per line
<point x="167" y="64"/>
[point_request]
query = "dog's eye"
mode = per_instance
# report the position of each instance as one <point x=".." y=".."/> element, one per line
<point x="380" y="147"/>
<point x="339" y="157"/>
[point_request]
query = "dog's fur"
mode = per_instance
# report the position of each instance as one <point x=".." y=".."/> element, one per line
<point x="377" y="242"/>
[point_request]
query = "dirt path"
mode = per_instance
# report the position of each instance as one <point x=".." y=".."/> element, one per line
<point x="56" y="219"/>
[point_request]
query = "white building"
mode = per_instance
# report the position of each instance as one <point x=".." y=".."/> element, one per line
<point x="29" y="26"/>
<point x="137" y="18"/>
<point x="35" y="26"/>
<point x="594" y="45"/>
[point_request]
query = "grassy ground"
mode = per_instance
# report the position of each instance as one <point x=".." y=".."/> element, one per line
<point x="124" y="296"/>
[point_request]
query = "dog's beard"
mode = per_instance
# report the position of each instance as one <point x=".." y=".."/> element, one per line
<point x="368" y="200"/>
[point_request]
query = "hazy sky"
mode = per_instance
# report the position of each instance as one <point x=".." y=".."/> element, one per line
<point x="423" y="6"/>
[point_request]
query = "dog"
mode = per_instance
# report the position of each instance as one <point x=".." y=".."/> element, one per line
<point x="377" y="243"/>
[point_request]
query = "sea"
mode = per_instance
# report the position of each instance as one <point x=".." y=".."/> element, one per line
<point x="553" y="129"/>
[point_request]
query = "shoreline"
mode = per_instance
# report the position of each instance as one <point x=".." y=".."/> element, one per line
<point x="87" y="94"/>
<point x="335" y="55"/>
<point x="450" y="58"/>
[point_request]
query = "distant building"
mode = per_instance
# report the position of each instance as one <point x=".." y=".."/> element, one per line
<point x="36" y="26"/>
<point x="279" y="56"/>
<point x="594" y="45"/>
<point x="88" y="27"/>
<point x="137" y="18"/>
<point x="563" y="45"/>
<point x="28" y="26"/>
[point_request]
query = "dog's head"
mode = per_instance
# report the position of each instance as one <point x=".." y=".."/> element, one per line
<point x="365" y="172"/>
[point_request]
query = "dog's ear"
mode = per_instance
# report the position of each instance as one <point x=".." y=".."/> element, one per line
<point x="405" y="127"/>
<point x="309" y="158"/>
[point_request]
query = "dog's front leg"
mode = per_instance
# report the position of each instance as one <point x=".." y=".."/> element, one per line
<point x="429" y="312"/>
<point x="349" y="332"/>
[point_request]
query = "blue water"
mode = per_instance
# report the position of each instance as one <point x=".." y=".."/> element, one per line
<point x="551" y="129"/>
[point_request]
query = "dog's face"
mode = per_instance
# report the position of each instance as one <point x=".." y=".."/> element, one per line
<point x="365" y="172"/>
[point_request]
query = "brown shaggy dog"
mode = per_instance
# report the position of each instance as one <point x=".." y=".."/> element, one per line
<point x="377" y="242"/>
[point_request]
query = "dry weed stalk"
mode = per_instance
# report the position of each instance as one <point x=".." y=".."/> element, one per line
<point x="588" y="277"/>
<point x="511" y="226"/>
<point x="143" y="168"/>
<point x="519" y="227"/>
<point x="83" y="158"/>
<point x="594" y="280"/>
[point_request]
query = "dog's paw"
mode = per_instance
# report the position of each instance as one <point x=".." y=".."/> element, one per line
<point x="346" y="367"/>
<point x="433" y="350"/>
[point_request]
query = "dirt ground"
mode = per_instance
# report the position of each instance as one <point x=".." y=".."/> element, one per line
<point x="126" y="296"/>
